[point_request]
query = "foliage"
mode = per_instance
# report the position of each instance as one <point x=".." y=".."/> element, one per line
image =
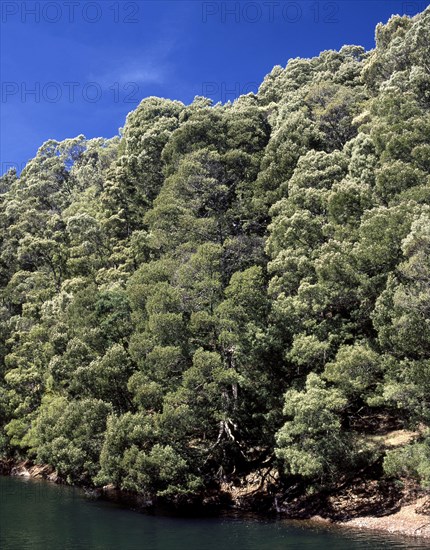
<point x="226" y="284"/>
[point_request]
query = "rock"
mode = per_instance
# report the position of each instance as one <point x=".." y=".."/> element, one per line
<point x="20" y="470"/>
<point x="320" y="519"/>
<point x="40" y="471"/>
<point x="93" y="494"/>
<point x="53" y="477"/>
<point x="29" y="470"/>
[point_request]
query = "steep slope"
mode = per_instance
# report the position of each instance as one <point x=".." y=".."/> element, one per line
<point x="231" y="289"/>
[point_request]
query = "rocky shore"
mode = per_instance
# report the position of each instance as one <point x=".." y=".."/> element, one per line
<point x="370" y="508"/>
<point x="409" y="520"/>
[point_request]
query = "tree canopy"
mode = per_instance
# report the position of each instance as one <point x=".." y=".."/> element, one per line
<point x="226" y="285"/>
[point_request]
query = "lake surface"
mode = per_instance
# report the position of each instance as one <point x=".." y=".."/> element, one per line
<point x="38" y="515"/>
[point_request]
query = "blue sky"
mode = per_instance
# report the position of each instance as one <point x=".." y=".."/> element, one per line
<point x="70" y="67"/>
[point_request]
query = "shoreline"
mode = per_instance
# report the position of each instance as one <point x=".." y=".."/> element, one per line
<point x="408" y="521"/>
<point x="412" y="519"/>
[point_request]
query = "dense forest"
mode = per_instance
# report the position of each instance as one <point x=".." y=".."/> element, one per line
<point x="231" y="287"/>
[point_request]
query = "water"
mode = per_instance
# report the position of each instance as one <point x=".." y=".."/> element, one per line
<point x="38" y="515"/>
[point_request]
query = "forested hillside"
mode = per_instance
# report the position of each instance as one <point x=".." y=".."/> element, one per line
<point x="229" y="287"/>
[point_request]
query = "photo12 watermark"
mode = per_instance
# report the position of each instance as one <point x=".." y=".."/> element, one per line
<point x="10" y="165"/>
<point x="33" y="491"/>
<point x="227" y="91"/>
<point x="69" y="91"/>
<point x="270" y="12"/>
<point x="69" y="11"/>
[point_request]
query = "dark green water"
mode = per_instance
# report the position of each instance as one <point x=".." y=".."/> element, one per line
<point x="41" y="516"/>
